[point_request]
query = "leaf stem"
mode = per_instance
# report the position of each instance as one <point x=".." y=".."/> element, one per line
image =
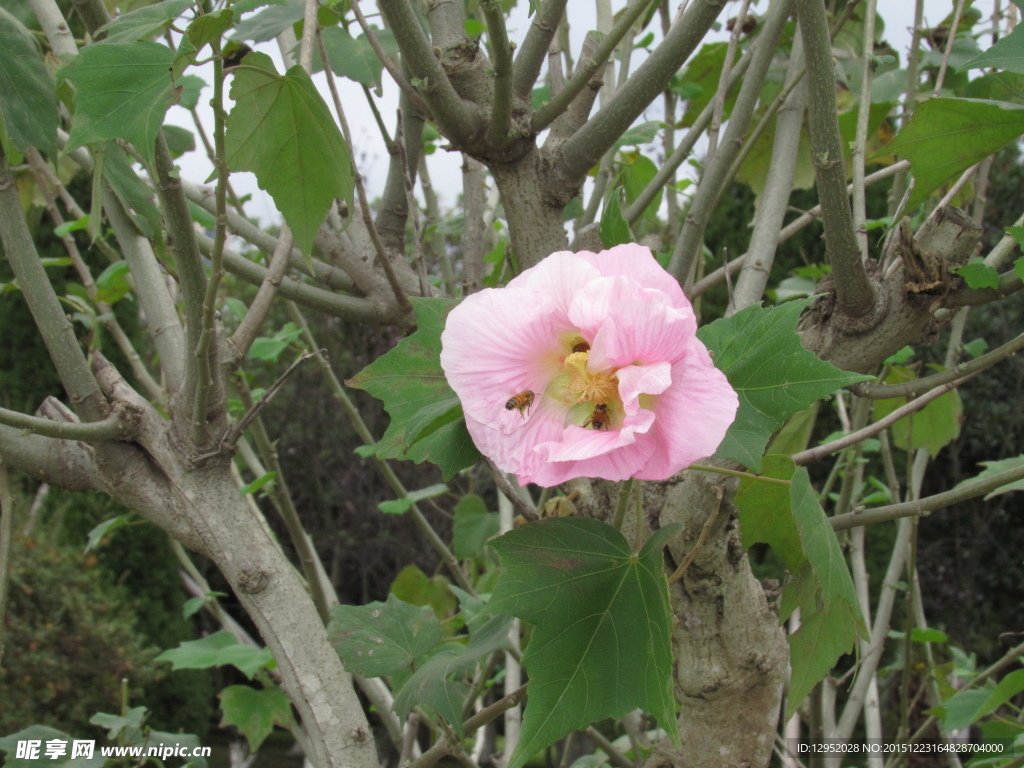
<point x="623" y="504"/>
<point x="738" y="473"/>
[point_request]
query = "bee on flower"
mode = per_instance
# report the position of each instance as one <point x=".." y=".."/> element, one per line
<point x="587" y="365"/>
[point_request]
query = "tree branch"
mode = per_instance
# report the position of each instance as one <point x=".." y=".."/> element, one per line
<point x="855" y="293"/>
<point x="716" y="175"/>
<point x="581" y="152"/>
<point x="926" y="506"/>
<point x="531" y="54"/>
<point x="6" y="537"/>
<point x="65" y="464"/>
<point x="546" y="115"/>
<point x="403" y="84"/>
<point x="53" y="324"/>
<point x="457" y="119"/>
<point x="501" y="103"/>
<point x="119" y="425"/>
<point x="250" y="325"/>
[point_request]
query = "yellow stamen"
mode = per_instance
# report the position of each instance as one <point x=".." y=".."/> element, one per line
<point x="597" y="388"/>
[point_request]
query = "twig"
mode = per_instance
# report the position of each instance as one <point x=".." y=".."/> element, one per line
<point x="915" y="388"/>
<point x="718" y="102"/>
<point x="737" y="473"/>
<point x="926" y="506"/>
<point x="615" y="757"/>
<point x="813" y="454"/>
<point x="247" y="329"/>
<point x="364" y="203"/>
<point x="510" y="491"/>
<point x="413" y="208"/>
<point x="704" y="532"/>
<point x="235" y="432"/>
<point x="861" y="139"/>
<point x="6" y="537"/>
<point x="535" y="47"/>
<point x="117" y="426"/>
<point x="389" y="65"/>
<point x="546" y="115"/>
<point x="940" y="78"/>
<point x="444" y="746"/>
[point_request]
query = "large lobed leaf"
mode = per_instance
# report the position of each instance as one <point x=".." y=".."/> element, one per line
<point x="281" y="130"/>
<point x="28" y="99"/>
<point x="760" y="352"/>
<point x="254" y="711"/>
<point x="382" y="638"/>
<point x="143" y="22"/>
<point x="945" y="137"/>
<point x="601" y="643"/>
<point x="790" y="520"/>
<point x="218" y="649"/>
<point x="426" y="417"/>
<point x="122" y="91"/>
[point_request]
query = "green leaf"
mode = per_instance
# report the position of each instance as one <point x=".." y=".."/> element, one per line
<point x="601" y="642"/>
<point x="698" y="82"/>
<point x="644" y="133"/>
<point x="128" y="724"/>
<point x="270" y="348"/>
<point x="933" y="427"/>
<point x="967" y="707"/>
<point x="43" y="734"/>
<point x="353" y="57"/>
<point x="1006" y="53"/>
<point x="68" y="227"/>
<point x="192" y="606"/>
<point x="432" y="685"/>
<point x="28" y="98"/>
<point x="112" y="284"/>
<point x="216" y="650"/>
<point x="830" y="615"/>
<point x="922" y="635"/>
<point x="254" y="711"/>
<point x="945" y="137"/>
<point x="135" y="196"/>
<point x="122" y="91"/>
<point x="142" y="22"/>
<point x="978" y="274"/>
<point x="426" y="417"/>
<point x="268" y="23"/>
<point x="474" y="525"/>
<point x="613" y="229"/>
<point x="766" y="514"/>
<point x="381" y="638"/>
<point x="190" y="85"/>
<point x="993" y="468"/>
<point x="244" y="6"/>
<point x="201" y="32"/>
<point x="281" y="130"/>
<point x="413" y="586"/>
<point x="404" y="504"/>
<point x="258" y="483"/>
<point x="637" y="173"/>
<point x="97" y="534"/>
<point x="760" y="352"/>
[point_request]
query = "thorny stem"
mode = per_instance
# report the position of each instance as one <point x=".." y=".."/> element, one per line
<point x="855" y="293"/>
<point x="204" y="376"/>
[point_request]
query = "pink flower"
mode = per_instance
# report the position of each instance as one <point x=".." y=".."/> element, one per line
<point x="587" y="365"/>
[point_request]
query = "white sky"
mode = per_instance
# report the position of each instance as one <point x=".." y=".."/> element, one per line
<point x="371" y="158"/>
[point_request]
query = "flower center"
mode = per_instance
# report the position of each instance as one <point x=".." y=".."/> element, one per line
<point x="597" y="388"/>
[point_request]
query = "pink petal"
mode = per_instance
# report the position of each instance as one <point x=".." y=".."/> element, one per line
<point x="635" y="380"/>
<point x="693" y="415"/>
<point x="496" y="344"/>
<point x="560" y="276"/>
<point x="637" y="262"/>
<point x="514" y="452"/>
<point x="629" y="323"/>
<point x="579" y="443"/>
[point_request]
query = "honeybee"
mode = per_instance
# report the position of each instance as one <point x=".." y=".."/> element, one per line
<point x="581" y="346"/>
<point x="521" y="402"/>
<point x="599" y="418"/>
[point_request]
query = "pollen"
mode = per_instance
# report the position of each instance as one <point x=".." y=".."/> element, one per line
<point x="597" y="388"/>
